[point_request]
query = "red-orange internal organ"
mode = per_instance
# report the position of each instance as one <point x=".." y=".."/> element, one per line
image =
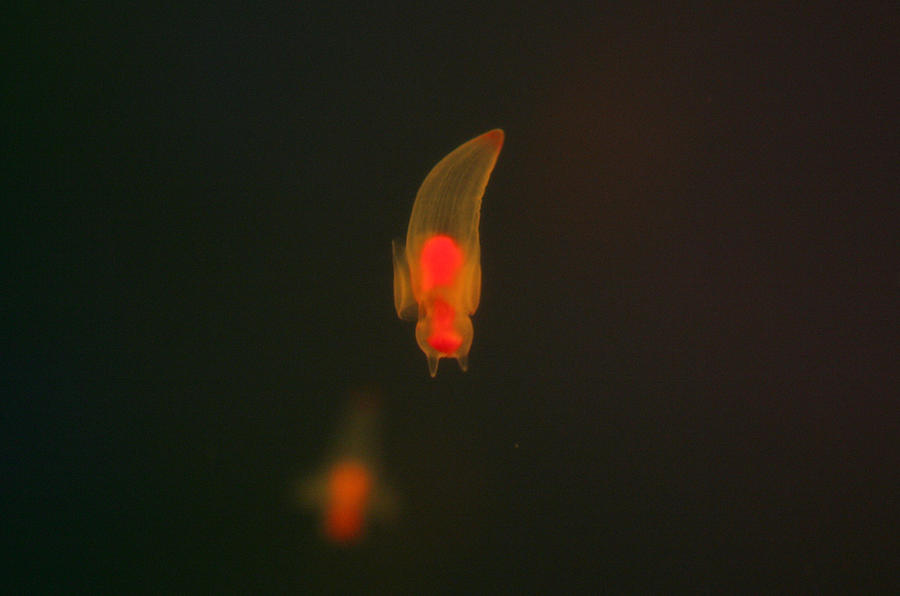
<point x="443" y="337"/>
<point x="441" y="261"/>
<point x="349" y="485"/>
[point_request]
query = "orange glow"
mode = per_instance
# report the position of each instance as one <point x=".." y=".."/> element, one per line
<point x="441" y="261"/>
<point x="444" y="337"/>
<point x="349" y="486"/>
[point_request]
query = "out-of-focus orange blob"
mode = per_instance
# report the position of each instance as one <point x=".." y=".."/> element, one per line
<point x="349" y="487"/>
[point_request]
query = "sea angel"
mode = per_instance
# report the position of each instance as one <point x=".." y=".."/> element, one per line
<point x="437" y="273"/>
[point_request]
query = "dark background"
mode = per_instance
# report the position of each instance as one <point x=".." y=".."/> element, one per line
<point x="684" y="374"/>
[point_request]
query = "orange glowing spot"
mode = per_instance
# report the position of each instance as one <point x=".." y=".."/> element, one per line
<point x="441" y="261"/>
<point x="349" y="485"/>
<point x="444" y="337"/>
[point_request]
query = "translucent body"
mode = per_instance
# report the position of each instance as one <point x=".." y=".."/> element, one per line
<point x="437" y="273"/>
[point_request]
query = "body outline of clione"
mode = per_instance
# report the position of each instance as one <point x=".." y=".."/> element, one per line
<point x="437" y="270"/>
